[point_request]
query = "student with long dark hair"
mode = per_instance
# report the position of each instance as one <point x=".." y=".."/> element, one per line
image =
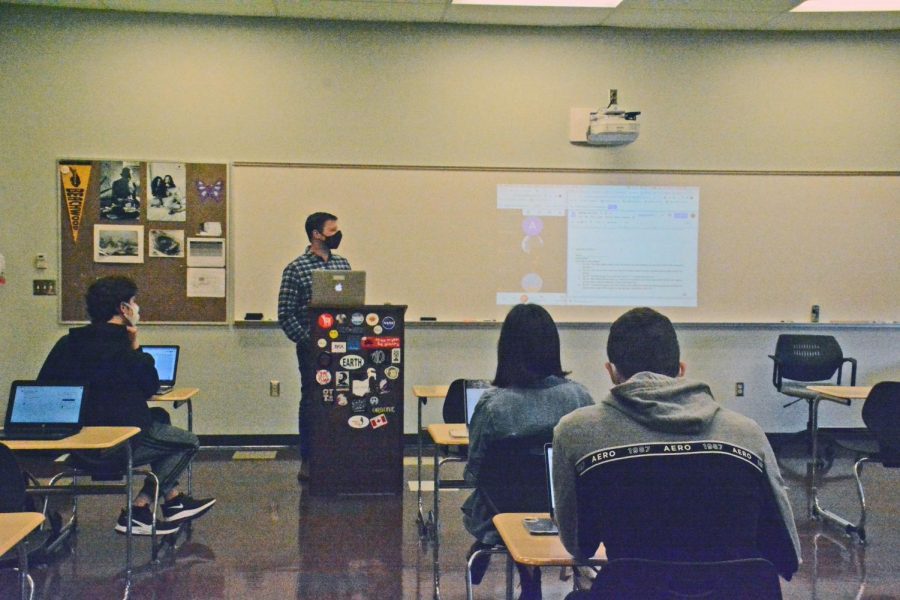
<point x="530" y="396"/>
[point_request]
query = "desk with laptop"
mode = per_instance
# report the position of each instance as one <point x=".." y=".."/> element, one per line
<point x="49" y="417"/>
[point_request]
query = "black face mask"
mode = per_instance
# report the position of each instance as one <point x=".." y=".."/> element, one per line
<point x="333" y="241"/>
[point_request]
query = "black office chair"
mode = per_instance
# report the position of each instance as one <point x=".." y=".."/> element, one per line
<point x="641" y="579"/>
<point x="454" y="410"/>
<point x="881" y="414"/>
<point x="513" y="478"/>
<point x="802" y="360"/>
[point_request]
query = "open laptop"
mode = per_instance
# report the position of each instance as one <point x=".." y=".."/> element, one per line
<point x="338" y="288"/>
<point x="541" y="526"/>
<point x="166" y="358"/>
<point x="43" y="411"/>
<point x="473" y="389"/>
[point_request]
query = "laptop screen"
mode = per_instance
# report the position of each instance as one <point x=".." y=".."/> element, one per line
<point x="46" y="404"/>
<point x="474" y="390"/>
<point x="166" y="358"/>
<point x="548" y="462"/>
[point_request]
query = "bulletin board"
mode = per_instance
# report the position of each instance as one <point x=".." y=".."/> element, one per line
<point x="164" y="223"/>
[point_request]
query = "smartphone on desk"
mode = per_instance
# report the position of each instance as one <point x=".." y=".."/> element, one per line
<point x="540" y="526"/>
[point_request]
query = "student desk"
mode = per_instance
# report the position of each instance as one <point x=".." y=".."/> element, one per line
<point x="532" y="550"/>
<point x="842" y="394"/>
<point x="179" y="396"/>
<point x="89" y="438"/>
<point x="422" y="394"/>
<point x="442" y="435"/>
<point x="14" y="527"/>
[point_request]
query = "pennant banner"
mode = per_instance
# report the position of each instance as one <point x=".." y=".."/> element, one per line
<point x="75" y="180"/>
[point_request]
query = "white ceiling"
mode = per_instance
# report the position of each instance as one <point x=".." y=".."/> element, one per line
<point x="644" y="14"/>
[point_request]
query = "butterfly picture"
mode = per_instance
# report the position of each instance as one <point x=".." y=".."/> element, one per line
<point x="210" y="192"/>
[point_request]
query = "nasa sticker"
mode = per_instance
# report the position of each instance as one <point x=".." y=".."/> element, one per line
<point x="342" y="399"/>
<point x="321" y="342"/>
<point x="333" y="334"/>
<point x="392" y="372"/>
<point x="395" y="356"/>
<point x="327" y="395"/>
<point x="326" y="321"/>
<point x="338" y="347"/>
<point x="388" y="323"/>
<point x="357" y="319"/>
<point x="342" y="380"/>
<point x="378" y="421"/>
<point x="377" y="329"/>
<point x="372" y="319"/>
<point x="358" y="421"/>
<point x="377" y="357"/>
<point x="323" y="377"/>
<point x="352" y="361"/>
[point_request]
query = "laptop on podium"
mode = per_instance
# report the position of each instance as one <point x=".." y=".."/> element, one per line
<point x="43" y="411"/>
<point x="338" y="288"/>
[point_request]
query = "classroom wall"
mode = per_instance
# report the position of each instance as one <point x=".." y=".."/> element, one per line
<point x="207" y="89"/>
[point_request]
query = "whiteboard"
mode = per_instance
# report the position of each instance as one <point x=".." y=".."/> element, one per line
<point x="770" y="244"/>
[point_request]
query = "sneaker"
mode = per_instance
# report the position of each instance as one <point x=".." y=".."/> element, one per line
<point x="183" y="508"/>
<point x="142" y="522"/>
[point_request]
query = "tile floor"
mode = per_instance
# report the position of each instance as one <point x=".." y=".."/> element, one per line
<point x="268" y="539"/>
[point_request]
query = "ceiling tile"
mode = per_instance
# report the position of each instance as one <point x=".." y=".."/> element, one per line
<point x="246" y="8"/>
<point x="835" y="21"/>
<point x="767" y="6"/>
<point x="533" y="15"/>
<point x="361" y="10"/>
<point x="89" y="4"/>
<point x="686" y="19"/>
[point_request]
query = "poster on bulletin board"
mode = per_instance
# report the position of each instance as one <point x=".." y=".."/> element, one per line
<point x="147" y="220"/>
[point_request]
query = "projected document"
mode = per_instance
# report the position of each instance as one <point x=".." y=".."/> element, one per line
<point x="598" y="245"/>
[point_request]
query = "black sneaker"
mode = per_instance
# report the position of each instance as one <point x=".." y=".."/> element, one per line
<point x="184" y="508"/>
<point x="142" y="522"/>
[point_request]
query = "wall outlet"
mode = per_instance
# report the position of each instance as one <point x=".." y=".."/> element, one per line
<point x="44" y="287"/>
<point x="274" y="388"/>
<point x="739" y="388"/>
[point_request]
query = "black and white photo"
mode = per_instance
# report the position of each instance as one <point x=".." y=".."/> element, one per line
<point x="120" y="191"/>
<point x="168" y="201"/>
<point x="118" y="243"/>
<point x="166" y="243"/>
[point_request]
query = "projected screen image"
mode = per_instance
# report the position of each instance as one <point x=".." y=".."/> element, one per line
<point x="594" y="245"/>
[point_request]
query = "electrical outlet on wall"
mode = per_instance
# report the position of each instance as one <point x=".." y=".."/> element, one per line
<point x="274" y="388"/>
<point x="739" y="388"/>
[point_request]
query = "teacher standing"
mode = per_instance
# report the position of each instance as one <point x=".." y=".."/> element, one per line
<point x="324" y="235"/>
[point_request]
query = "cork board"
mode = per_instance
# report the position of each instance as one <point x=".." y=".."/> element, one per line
<point x="137" y="219"/>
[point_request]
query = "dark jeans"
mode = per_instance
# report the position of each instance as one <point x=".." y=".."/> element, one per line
<point x="307" y="387"/>
<point x="168" y="450"/>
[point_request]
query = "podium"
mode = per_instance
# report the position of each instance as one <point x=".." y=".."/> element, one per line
<point x="356" y="444"/>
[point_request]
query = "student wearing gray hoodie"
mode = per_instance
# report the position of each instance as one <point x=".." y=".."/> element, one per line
<point x="659" y="470"/>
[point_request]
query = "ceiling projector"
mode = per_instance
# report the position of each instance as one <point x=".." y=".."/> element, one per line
<point x="613" y="127"/>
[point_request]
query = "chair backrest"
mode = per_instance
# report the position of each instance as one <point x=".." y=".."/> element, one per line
<point x="12" y="483"/>
<point x="455" y="402"/>
<point x="808" y="357"/>
<point x="513" y="476"/>
<point x="881" y="414"/>
<point x="695" y="501"/>
<point x="639" y="579"/>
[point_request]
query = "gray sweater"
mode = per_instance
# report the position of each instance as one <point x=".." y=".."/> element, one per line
<point x="505" y="412"/>
<point x="652" y="408"/>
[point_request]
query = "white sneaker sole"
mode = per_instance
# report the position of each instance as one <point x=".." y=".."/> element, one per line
<point x="144" y="529"/>
<point x="186" y="515"/>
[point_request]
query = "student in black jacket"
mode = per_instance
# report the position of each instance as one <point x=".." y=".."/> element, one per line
<point x="121" y="378"/>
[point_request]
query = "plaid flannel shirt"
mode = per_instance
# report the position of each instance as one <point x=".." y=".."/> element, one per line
<point x="296" y="292"/>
